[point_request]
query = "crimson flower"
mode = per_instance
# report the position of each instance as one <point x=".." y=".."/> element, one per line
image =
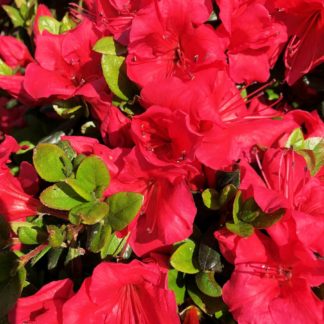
<point x="275" y="282"/>
<point x="45" y="306"/>
<point x="164" y="42"/>
<point x="123" y="293"/>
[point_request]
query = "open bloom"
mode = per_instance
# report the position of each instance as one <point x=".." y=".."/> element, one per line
<point x="45" y="306"/>
<point x="275" y="282"/>
<point x="123" y="293"/>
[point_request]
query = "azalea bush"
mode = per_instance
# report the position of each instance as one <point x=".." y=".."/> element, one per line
<point x="161" y="161"/>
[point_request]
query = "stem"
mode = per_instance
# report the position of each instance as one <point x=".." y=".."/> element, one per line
<point x="27" y="257"/>
<point x="53" y="212"/>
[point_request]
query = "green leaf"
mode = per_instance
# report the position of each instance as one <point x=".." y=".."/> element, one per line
<point x="98" y="236"/>
<point x="107" y="45"/>
<point x="207" y="304"/>
<point x="207" y="284"/>
<point x="72" y="254"/>
<point x="10" y="290"/>
<point x="14" y="16"/>
<point x="67" y="24"/>
<point x="51" y="163"/>
<point x="123" y="207"/>
<point x="79" y="187"/>
<point x="67" y="112"/>
<point x="227" y="194"/>
<point x="5" y="69"/>
<point x="265" y="220"/>
<point x="56" y="236"/>
<point x="60" y="196"/>
<point x="237" y="205"/>
<point x="242" y="229"/>
<point x="208" y="258"/>
<point x="113" y="68"/>
<point x="177" y="284"/>
<point x="53" y="257"/>
<point x="113" y="246"/>
<point x="295" y="138"/>
<point x="93" y="175"/>
<point x="31" y="235"/>
<point x="211" y="199"/>
<point x="68" y="149"/>
<point x="50" y="24"/>
<point x="183" y="258"/>
<point x="89" y="213"/>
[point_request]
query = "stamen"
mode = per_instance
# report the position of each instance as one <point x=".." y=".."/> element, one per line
<point x="260" y="167"/>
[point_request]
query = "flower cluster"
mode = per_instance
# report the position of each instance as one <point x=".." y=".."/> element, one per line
<point x="152" y="170"/>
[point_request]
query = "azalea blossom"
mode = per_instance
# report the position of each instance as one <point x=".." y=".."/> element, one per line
<point x="123" y="293"/>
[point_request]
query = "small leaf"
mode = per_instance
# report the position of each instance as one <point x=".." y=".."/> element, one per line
<point x="208" y="258"/>
<point x="14" y="16"/>
<point x="113" y="246"/>
<point x="56" y="237"/>
<point x="89" y="213"/>
<point x="183" y="258"/>
<point x="295" y="138"/>
<point x="80" y="188"/>
<point x="50" y="24"/>
<point x="177" y="285"/>
<point x="53" y="257"/>
<point x="123" y="207"/>
<point x="68" y="149"/>
<point x="227" y="194"/>
<point x="31" y="235"/>
<point x="93" y="175"/>
<point x="113" y="68"/>
<point x="98" y="236"/>
<point x="60" y="196"/>
<point x="107" y="45"/>
<point x="265" y="220"/>
<point x="51" y="163"/>
<point x="207" y="284"/>
<point x="211" y="199"/>
<point x="241" y="229"/>
<point x="237" y="206"/>
<point x="67" y="113"/>
<point x="5" y="69"/>
<point x="207" y="304"/>
<point x="72" y="254"/>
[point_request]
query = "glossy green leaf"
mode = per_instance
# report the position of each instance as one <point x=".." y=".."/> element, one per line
<point x="242" y="229"/>
<point x="81" y="189"/>
<point x="5" y="69"/>
<point x="93" y="175"/>
<point x="207" y="284"/>
<point x="177" y="284"/>
<point x="211" y="199"/>
<point x="73" y="253"/>
<point x="14" y="16"/>
<point x="89" y="213"/>
<point x="113" y="246"/>
<point x="123" y="207"/>
<point x="207" y="304"/>
<point x="31" y="235"/>
<point x="51" y="162"/>
<point x="49" y="24"/>
<point x="113" y="68"/>
<point x="60" y="196"/>
<point x="107" y="45"/>
<point x="265" y="220"/>
<point x="295" y="138"/>
<point x="183" y="259"/>
<point x="224" y="178"/>
<point x="208" y="258"/>
<point x="68" y="149"/>
<point x="227" y="194"/>
<point x="237" y="205"/>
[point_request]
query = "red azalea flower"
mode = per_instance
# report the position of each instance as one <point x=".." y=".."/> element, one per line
<point x="123" y="293"/>
<point x="115" y="16"/>
<point x="254" y="39"/>
<point x="45" y="306"/>
<point x="275" y="282"/>
<point x="8" y="145"/>
<point x="71" y="65"/>
<point x="164" y="42"/>
<point x="305" y="23"/>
